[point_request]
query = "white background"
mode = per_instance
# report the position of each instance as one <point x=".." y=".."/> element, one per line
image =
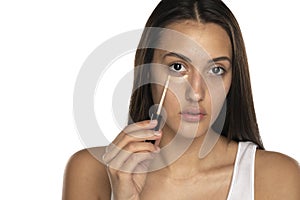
<point x="44" y="43"/>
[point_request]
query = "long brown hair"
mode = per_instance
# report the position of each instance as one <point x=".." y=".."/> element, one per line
<point x="240" y="123"/>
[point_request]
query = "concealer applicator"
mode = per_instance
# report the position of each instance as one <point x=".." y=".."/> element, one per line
<point x="157" y="115"/>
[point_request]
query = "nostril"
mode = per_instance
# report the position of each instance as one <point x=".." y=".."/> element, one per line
<point x="192" y="95"/>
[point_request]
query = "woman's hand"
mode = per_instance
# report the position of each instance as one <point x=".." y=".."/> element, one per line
<point x="128" y="158"/>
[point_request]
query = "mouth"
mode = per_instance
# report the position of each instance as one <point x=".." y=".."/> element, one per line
<point x="193" y="114"/>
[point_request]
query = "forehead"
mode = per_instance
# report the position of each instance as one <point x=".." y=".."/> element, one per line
<point x="198" y="37"/>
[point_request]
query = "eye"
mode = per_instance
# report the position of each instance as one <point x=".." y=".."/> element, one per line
<point x="177" y="67"/>
<point x="217" y="70"/>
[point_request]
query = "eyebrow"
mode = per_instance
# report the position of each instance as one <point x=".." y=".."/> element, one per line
<point x="183" y="57"/>
<point x="220" y="59"/>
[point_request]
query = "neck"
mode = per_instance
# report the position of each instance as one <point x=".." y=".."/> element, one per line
<point x="181" y="157"/>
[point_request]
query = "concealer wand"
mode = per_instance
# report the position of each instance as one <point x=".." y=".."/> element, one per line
<point x="157" y="116"/>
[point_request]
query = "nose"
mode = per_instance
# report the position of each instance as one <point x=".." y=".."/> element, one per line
<point x="195" y="91"/>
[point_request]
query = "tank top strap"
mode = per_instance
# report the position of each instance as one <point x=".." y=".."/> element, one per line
<point x="242" y="184"/>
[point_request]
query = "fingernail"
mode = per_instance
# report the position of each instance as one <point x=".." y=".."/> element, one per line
<point x="157" y="133"/>
<point x="157" y="149"/>
<point x="153" y="122"/>
<point x="103" y="157"/>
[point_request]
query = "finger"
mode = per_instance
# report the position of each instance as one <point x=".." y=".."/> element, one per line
<point x="157" y="142"/>
<point x="117" y="157"/>
<point x="142" y="167"/>
<point x="138" y="136"/>
<point x="142" y="125"/>
<point x="116" y="163"/>
<point x="111" y="151"/>
<point x="134" y="161"/>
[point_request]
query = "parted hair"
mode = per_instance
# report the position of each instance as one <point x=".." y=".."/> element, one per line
<point x="240" y="122"/>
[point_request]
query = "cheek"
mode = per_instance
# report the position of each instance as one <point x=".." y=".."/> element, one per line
<point x="219" y="97"/>
<point x="171" y="100"/>
<point x="172" y="109"/>
<point x="171" y="103"/>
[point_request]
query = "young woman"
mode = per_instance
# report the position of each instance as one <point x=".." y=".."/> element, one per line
<point x="209" y="72"/>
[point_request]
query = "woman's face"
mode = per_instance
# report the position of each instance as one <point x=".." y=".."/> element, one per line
<point x="200" y="71"/>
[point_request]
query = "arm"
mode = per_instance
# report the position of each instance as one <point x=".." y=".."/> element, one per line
<point x="127" y="159"/>
<point x="85" y="177"/>
<point x="277" y="176"/>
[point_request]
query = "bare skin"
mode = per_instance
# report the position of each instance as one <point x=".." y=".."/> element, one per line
<point x="276" y="176"/>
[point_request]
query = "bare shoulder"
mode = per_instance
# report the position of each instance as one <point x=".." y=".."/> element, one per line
<point x="277" y="176"/>
<point x="85" y="176"/>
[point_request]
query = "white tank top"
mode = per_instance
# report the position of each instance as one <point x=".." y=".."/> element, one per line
<point x="242" y="184"/>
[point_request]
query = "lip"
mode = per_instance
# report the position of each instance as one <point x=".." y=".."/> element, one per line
<point x="193" y="114"/>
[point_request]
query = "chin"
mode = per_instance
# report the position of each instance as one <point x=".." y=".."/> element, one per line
<point x="189" y="130"/>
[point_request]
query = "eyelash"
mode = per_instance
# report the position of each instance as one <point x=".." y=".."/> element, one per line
<point x="223" y="71"/>
<point x="174" y="70"/>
